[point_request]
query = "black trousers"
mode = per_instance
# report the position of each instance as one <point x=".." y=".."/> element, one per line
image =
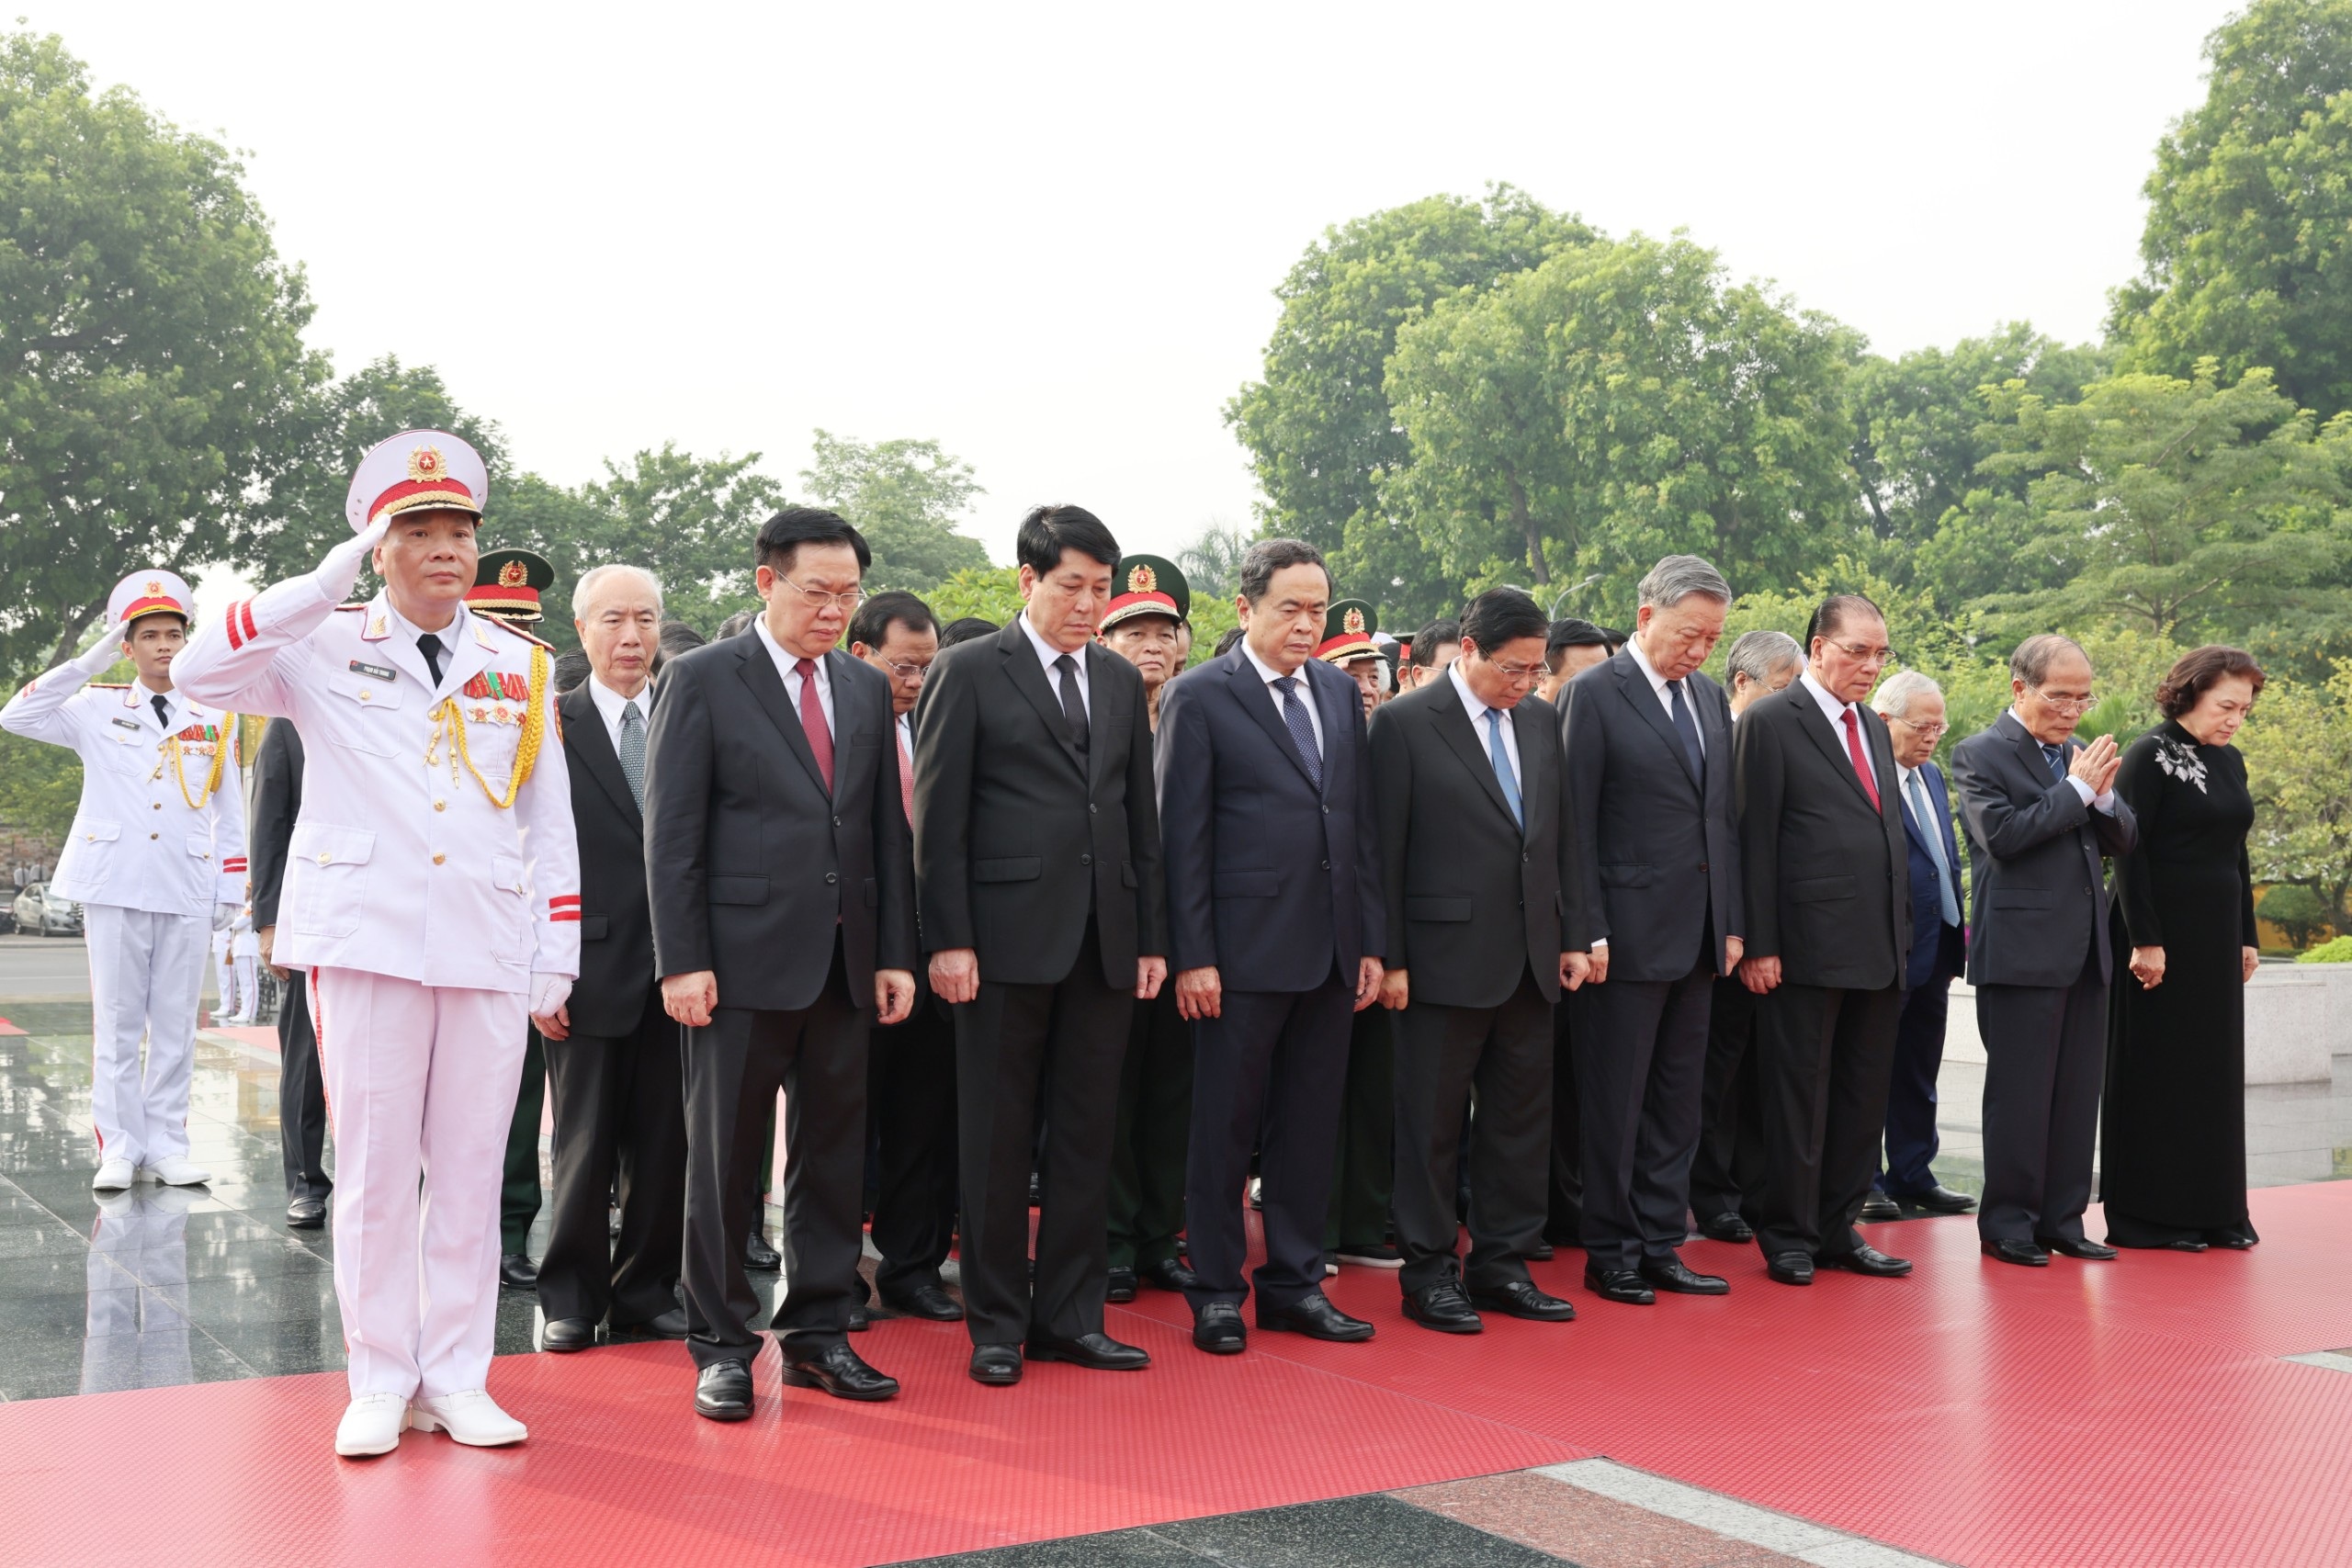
<point x="1267" y="1073"/>
<point x="1151" y="1127"/>
<point x="1075" y="1035"/>
<point x="1442" y="1053"/>
<point x="1911" y="1139"/>
<point x="1564" y="1194"/>
<point x="733" y="1068"/>
<point x="1640" y="1051"/>
<point x="1727" y="1171"/>
<point x="910" y="1121"/>
<point x="2045" y="1057"/>
<point x="620" y="1114"/>
<point x="1363" y="1172"/>
<point x="1823" y="1054"/>
<point x="302" y="1095"/>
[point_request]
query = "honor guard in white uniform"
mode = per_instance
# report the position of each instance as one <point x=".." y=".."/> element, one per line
<point x="157" y="858"/>
<point x="433" y="893"/>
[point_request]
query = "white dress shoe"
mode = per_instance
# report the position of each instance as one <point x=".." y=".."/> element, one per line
<point x="114" y="1174"/>
<point x="177" y="1170"/>
<point x="469" y="1417"/>
<point x="371" y="1424"/>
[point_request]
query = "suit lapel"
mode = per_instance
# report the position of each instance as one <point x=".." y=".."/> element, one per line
<point x="397" y="649"/>
<point x="1932" y="779"/>
<point x="1454" y="723"/>
<point x="2029" y="751"/>
<point x="1634" y="687"/>
<point x="1338" y="701"/>
<point x="1029" y="677"/>
<point x="584" y="729"/>
<point x="1099" y="742"/>
<point x="1258" y="702"/>
<point x="1826" y="736"/>
<point x="757" y="670"/>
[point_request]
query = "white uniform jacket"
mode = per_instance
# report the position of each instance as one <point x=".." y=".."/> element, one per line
<point x="400" y="863"/>
<point x="137" y="842"/>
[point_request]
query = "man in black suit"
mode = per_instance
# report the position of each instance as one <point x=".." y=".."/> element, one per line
<point x="2041" y="808"/>
<point x="612" y="1065"/>
<point x="301" y="1093"/>
<point x="1039" y="870"/>
<point x="1912" y="706"/>
<point x="1828" y="931"/>
<point x="775" y="850"/>
<point x="911" y="1066"/>
<point x="1653" y="915"/>
<point x="1276" y="929"/>
<point x="1472" y="859"/>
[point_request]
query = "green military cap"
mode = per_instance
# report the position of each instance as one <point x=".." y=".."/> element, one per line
<point x="1347" y="633"/>
<point x="1147" y="585"/>
<point x="507" y="584"/>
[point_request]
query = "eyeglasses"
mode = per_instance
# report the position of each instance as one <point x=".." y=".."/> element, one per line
<point x="1932" y="731"/>
<point x="1867" y="655"/>
<point x="2083" y="703"/>
<point x="909" y="671"/>
<point x="818" y="598"/>
<point x="1518" y="674"/>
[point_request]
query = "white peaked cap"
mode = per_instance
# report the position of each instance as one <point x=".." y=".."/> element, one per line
<point x="415" y="470"/>
<point x="148" y="592"/>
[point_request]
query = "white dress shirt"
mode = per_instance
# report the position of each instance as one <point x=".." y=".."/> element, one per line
<point x="786" y="665"/>
<point x="2105" y="803"/>
<point x="1047" y="655"/>
<point x="1478" y="711"/>
<point x="1665" y="698"/>
<point x="1269" y="674"/>
<point x="610" y="702"/>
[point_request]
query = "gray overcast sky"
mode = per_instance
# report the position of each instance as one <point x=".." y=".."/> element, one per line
<point x="1048" y="236"/>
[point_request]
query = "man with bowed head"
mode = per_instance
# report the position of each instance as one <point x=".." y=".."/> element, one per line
<point x="432" y="892"/>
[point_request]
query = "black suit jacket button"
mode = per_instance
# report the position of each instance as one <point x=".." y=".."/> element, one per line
<point x="831" y="878"/>
<point x="837" y="821"/>
<point x="1702" y="865"/>
<point x="1086" y="860"/>
<point x="1327" y="865"/>
<point x="1327" y="811"/>
<point x="1089" y="807"/>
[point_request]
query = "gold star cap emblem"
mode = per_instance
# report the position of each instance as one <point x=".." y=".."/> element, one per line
<point x="1353" y="623"/>
<point x="1143" y="580"/>
<point x="425" y="463"/>
<point x="512" y="575"/>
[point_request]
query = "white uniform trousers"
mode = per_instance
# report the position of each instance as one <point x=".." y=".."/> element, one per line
<point x="136" y="1331"/>
<point x="146" y="976"/>
<point x="224" y="976"/>
<point x="420" y="1083"/>
<point x="248" y="986"/>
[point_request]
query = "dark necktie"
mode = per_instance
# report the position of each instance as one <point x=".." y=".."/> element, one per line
<point x="2056" y="757"/>
<point x="430" y="645"/>
<point x="1073" y="709"/>
<point x="1689" y="728"/>
<point x="1302" y="729"/>
<point x="162" y="711"/>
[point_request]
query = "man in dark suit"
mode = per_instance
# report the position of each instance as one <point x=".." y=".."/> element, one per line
<point x="301" y="1093"/>
<point x="1912" y="706"/>
<point x="1276" y="929"/>
<point x="2041" y="808"/>
<point x="1043" y="910"/>
<point x="612" y="1065"/>
<point x="1828" y="930"/>
<point x="911" y="1066"/>
<point x="1472" y="859"/>
<point x="783" y="900"/>
<point x="1652" y="915"/>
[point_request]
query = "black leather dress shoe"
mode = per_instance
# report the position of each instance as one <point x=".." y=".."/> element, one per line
<point x="1217" y="1328"/>
<point x="2089" y="1251"/>
<point x="306" y="1213"/>
<point x="1790" y="1268"/>
<point x="1443" y="1307"/>
<point x="2024" y="1254"/>
<point x="723" y="1391"/>
<point x="1865" y="1260"/>
<point x="1315" y="1316"/>
<point x="1878" y="1208"/>
<point x="2232" y="1238"/>
<point x="1624" y="1285"/>
<point x="1518" y="1298"/>
<point x="1169" y="1274"/>
<point x="1541" y="1253"/>
<point x="517" y="1272"/>
<point x="564" y="1333"/>
<point x="860" y="1319"/>
<point x="759" y="1257"/>
<point x="996" y="1363"/>
<point x="1673" y="1275"/>
<point x="1937" y="1200"/>
<point x="840" y="1371"/>
<point x="1121" y="1286"/>
<point x="669" y="1324"/>
<point x="1727" y="1227"/>
<point x="1099" y="1352"/>
<point x="925" y="1301"/>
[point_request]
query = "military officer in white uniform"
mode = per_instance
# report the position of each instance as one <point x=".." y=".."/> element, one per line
<point x="157" y="859"/>
<point x="433" y="894"/>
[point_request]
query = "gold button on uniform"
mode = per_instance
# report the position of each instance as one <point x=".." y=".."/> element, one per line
<point x="154" y="835"/>
<point x="324" y="857"/>
<point x="156" y="805"/>
<point x="438" y="859"/>
<point x="440" y="805"/>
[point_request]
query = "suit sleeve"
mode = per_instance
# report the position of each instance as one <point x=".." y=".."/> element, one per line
<point x="2140" y="786"/>
<point x="275" y="802"/>
<point x="1583" y="748"/>
<point x="946" y="736"/>
<point x="1392" y="765"/>
<point x="1185" y="763"/>
<point x="1759" y="784"/>
<point x="895" y="943"/>
<point x="677" y="813"/>
<point x="2245" y="874"/>
<point x="1143" y="839"/>
<point x="1372" y="905"/>
<point x="1736" y="880"/>
<point x="2005" y="827"/>
<point x="551" y="849"/>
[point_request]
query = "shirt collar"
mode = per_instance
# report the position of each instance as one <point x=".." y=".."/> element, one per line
<point x="1649" y="671"/>
<point x="1046" y="652"/>
<point x="1477" y="709"/>
<point x="403" y="627"/>
<point x="610" y="702"/>
<point x="786" y="661"/>
<point x="1267" y="672"/>
<point x="1831" y="708"/>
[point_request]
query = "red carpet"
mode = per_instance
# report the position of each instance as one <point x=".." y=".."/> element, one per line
<point x="2130" y="1412"/>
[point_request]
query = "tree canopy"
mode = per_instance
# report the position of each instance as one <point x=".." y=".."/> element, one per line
<point x="906" y="497"/>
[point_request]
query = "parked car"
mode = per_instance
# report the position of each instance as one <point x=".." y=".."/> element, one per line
<point x="40" y="913"/>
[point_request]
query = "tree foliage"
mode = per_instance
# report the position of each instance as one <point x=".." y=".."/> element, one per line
<point x="906" y="497"/>
<point x="2297" y="751"/>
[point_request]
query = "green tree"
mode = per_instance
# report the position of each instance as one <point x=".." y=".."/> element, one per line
<point x="1318" y="426"/>
<point x="41" y="785"/>
<point x="905" y="497"/>
<point x="2298" y="750"/>
<point x="1212" y="563"/>
<point x="2296" y="910"/>
<point x="1623" y="401"/>
<point x="2247" y="256"/>
<point x="150" y="340"/>
<point x="991" y="592"/>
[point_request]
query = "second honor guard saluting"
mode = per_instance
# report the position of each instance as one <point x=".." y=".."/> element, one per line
<point x="432" y="892"/>
<point x="157" y="858"/>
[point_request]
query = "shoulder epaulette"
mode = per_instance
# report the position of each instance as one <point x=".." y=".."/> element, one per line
<point x="355" y="605"/>
<point x="527" y="636"/>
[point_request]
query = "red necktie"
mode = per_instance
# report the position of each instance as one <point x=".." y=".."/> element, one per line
<point x="812" y="721"/>
<point x="906" y="777"/>
<point x="1861" y="758"/>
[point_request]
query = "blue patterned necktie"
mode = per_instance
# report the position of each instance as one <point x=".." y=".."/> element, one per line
<point x="1302" y="729"/>
<point x="2056" y="757"/>
<point x="1501" y="760"/>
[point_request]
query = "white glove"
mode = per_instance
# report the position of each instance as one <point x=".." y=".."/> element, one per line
<point x="341" y="569"/>
<point x="222" y="914"/>
<point x="94" y="660"/>
<point x="548" y="992"/>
